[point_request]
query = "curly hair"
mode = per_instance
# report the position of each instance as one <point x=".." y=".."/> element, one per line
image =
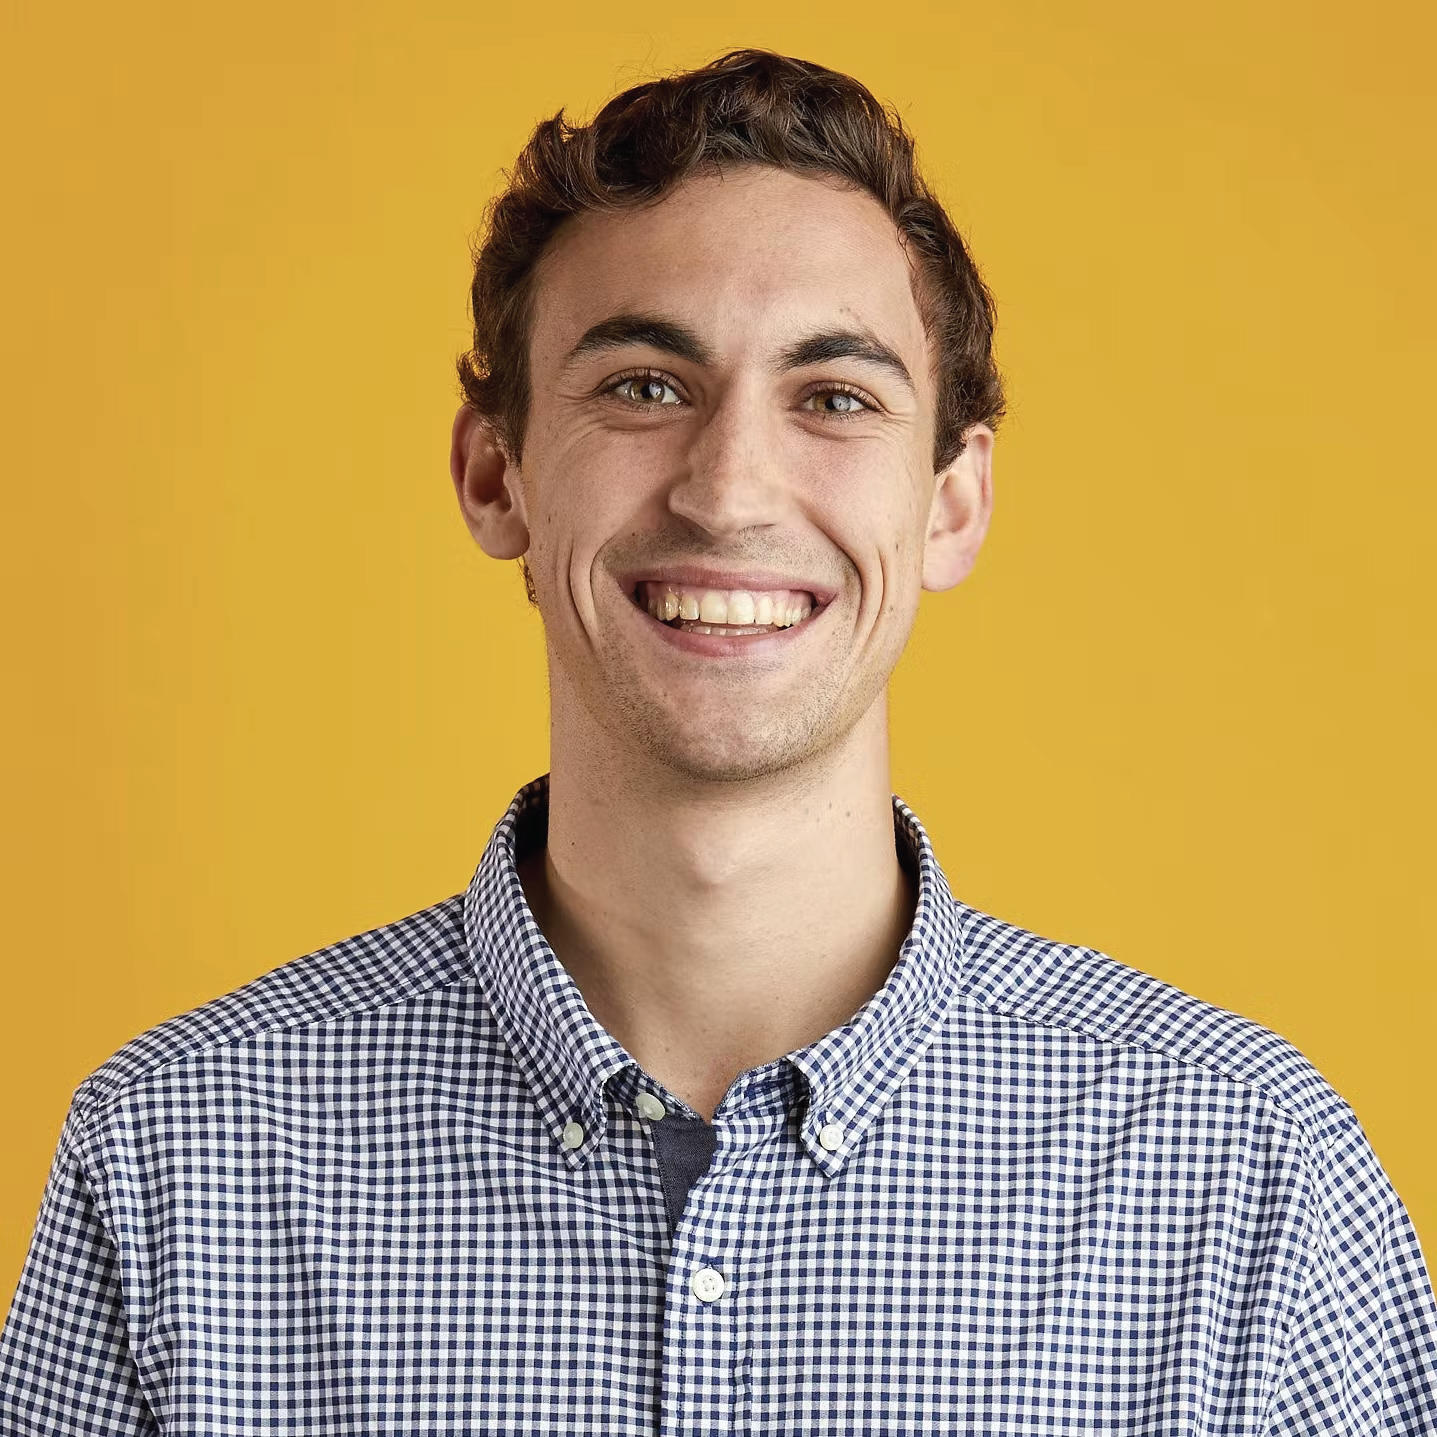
<point x="748" y="107"/>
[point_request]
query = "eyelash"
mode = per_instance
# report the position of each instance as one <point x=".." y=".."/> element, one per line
<point x="610" y="385"/>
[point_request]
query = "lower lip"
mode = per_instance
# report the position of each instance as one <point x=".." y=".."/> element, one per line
<point x="725" y="646"/>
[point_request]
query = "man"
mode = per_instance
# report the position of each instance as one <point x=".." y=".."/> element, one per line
<point x="707" y="1107"/>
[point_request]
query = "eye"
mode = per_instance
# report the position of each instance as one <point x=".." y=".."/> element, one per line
<point x="847" y="403"/>
<point x="648" y="391"/>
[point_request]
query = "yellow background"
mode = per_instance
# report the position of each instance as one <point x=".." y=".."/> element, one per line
<point x="265" y="692"/>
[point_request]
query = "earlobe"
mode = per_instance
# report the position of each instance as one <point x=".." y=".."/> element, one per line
<point x="487" y="485"/>
<point x="959" y="514"/>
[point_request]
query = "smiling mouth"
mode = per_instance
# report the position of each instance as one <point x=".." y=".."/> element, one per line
<point x="724" y="615"/>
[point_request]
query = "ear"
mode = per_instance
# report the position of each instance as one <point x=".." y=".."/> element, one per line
<point x="487" y="483"/>
<point x="958" y="516"/>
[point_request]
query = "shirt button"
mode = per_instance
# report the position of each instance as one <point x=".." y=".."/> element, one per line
<point x="650" y="1106"/>
<point x="573" y="1135"/>
<point x="708" y="1284"/>
<point x="830" y="1136"/>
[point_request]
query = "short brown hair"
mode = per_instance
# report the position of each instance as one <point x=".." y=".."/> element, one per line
<point x="747" y="107"/>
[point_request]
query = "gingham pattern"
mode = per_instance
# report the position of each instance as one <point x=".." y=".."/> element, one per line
<point x="1066" y="1198"/>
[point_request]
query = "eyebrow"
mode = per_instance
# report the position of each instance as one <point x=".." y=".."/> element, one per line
<point x="651" y="330"/>
<point x="846" y="344"/>
<point x="678" y="339"/>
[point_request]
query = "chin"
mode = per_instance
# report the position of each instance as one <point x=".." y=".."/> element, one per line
<point x="727" y="758"/>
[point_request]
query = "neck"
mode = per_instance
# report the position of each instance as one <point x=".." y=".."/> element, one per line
<point x="712" y="927"/>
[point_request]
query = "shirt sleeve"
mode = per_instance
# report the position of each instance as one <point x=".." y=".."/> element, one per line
<point x="1361" y="1355"/>
<point x="65" y="1360"/>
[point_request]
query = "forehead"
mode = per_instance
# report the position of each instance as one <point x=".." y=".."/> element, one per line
<point x="747" y="258"/>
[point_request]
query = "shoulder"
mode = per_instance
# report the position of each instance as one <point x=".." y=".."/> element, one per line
<point x="395" y="963"/>
<point x="1041" y="982"/>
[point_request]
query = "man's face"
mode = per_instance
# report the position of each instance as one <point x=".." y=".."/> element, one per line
<point x="701" y="426"/>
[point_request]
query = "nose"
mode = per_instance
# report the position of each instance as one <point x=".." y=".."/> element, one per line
<point x="732" y="473"/>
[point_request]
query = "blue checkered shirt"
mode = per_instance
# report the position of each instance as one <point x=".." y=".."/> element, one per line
<point x="406" y="1184"/>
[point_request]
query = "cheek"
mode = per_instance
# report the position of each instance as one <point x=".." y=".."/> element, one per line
<point x="633" y="471"/>
<point x="574" y="482"/>
<point x="592" y="488"/>
<point x="876" y="500"/>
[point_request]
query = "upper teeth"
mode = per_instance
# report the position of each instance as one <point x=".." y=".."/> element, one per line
<point x="667" y="601"/>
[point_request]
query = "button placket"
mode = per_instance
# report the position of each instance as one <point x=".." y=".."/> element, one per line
<point x="705" y="1323"/>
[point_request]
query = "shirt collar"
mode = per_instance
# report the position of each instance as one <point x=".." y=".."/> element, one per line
<point x="566" y="1057"/>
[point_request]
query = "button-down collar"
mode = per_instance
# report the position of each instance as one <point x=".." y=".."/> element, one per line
<point x="567" y="1057"/>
